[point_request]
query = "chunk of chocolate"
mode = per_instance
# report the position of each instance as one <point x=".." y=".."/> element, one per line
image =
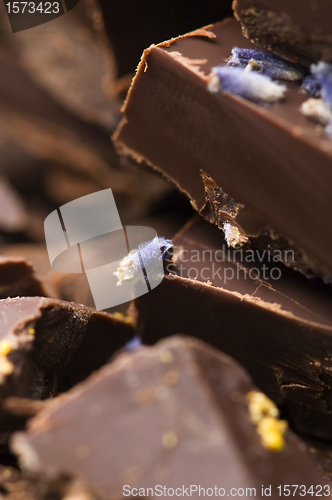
<point x="274" y="321"/>
<point x="300" y="31"/>
<point x="177" y="415"/>
<point x="48" y="345"/>
<point x="240" y="162"/>
<point x="17" y="277"/>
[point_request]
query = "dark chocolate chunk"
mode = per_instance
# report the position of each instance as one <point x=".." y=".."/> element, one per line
<point x="17" y="277"/>
<point x="177" y="414"/>
<point x="49" y="345"/>
<point x="300" y="31"/>
<point x="274" y="321"/>
<point x="240" y="163"/>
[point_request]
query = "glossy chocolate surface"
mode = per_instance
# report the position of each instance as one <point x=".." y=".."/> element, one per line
<point x="175" y="414"/>
<point x="273" y="163"/>
<point x="49" y="345"/>
<point x="280" y="329"/>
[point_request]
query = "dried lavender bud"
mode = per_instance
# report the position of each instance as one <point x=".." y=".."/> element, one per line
<point x="312" y="86"/>
<point x="146" y="252"/>
<point x="247" y="84"/>
<point x="322" y="72"/>
<point x="266" y="63"/>
<point x="319" y="84"/>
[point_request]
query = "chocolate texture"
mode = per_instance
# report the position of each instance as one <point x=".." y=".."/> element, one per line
<point x="17" y="277"/>
<point x="273" y="320"/>
<point x="300" y="31"/>
<point x="180" y="413"/>
<point x="49" y="345"/>
<point x="239" y="162"/>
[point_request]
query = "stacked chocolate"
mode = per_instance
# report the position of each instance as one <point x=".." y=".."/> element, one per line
<point x="105" y="405"/>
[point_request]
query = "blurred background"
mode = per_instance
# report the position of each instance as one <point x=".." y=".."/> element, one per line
<point x="61" y="89"/>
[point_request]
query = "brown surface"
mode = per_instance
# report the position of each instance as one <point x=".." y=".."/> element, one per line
<point x="272" y="161"/>
<point x="300" y="31"/>
<point x="54" y="345"/>
<point x="279" y="329"/>
<point x="174" y="415"/>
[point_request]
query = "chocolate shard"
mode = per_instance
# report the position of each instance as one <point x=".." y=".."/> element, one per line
<point x="49" y="345"/>
<point x="239" y="162"/>
<point x="17" y="277"/>
<point x="274" y="321"/>
<point x="299" y="31"/>
<point x="180" y="413"/>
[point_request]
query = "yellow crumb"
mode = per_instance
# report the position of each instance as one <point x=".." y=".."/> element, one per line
<point x="119" y="315"/>
<point x="261" y="406"/>
<point x="6" y="474"/>
<point x="170" y="440"/>
<point x="265" y="415"/>
<point x="5" y="347"/>
<point x="166" y="357"/>
<point x="272" y="433"/>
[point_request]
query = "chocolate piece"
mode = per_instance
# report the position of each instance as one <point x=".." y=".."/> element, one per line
<point x="299" y="31"/>
<point x="177" y="414"/>
<point x="17" y="277"/>
<point x="274" y="321"/>
<point x="49" y="345"/>
<point x="59" y="66"/>
<point x="46" y="148"/>
<point x="213" y="144"/>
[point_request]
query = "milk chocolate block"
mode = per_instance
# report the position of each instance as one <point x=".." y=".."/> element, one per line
<point x="48" y="345"/>
<point x="273" y="320"/>
<point x="17" y="277"/>
<point x="264" y="169"/>
<point x="175" y="415"/>
<point x="300" y="31"/>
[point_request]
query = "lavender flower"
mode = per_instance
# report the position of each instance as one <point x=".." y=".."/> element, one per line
<point x="319" y="84"/>
<point x="312" y="86"/>
<point x="146" y="252"/>
<point x="322" y="73"/>
<point x="266" y="63"/>
<point x="247" y="84"/>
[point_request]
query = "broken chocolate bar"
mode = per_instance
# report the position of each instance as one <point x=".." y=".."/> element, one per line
<point x="264" y="170"/>
<point x="176" y="415"/>
<point x="273" y="320"/>
<point x="300" y="31"/>
<point x="49" y="345"/>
